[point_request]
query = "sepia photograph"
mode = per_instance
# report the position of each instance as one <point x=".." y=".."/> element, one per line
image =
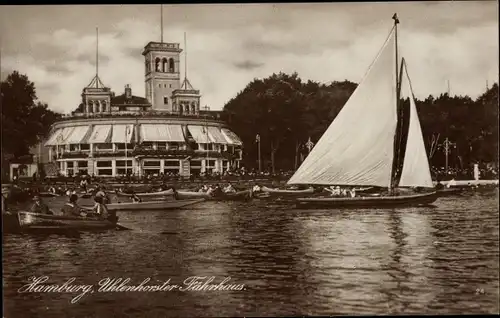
<point x="250" y="160"/>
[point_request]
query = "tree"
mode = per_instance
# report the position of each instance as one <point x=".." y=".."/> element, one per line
<point x="25" y="120"/>
<point x="285" y="112"/>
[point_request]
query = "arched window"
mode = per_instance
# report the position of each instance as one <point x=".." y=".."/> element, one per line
<point x="164" y="64"/>
<point x="97" y="106"/>
<point x="171" y="65"/>
<point x="187" y="108"/>
<point x="193" y="108"/>
<point x="148" y="66"/>
<point x="90" y="106"/>
<point x="157" y="65"/>
<point x="103" y="106"/>
<point x="174" y="107"/>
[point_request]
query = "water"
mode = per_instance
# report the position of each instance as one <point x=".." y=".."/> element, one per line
<point x="441" y="260"/>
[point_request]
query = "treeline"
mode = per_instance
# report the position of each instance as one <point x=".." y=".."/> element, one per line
<point x="25" y="120"/>
<point x="286" y="111"/>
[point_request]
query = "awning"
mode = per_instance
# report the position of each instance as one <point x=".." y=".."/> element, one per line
<point x="162" y="133"/>
<point x="52" y="141"/>
<point x="231" y="137"/>
<point x="200" y="134"/>
<point x="77" y="135"/>
<point x="100" y="134"/>
<point x="122" y="134"/>
<point x="63" y="136"/>
<point x="216" y="135"/>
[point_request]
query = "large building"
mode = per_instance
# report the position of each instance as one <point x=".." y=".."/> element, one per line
<point x="165" y="132"/>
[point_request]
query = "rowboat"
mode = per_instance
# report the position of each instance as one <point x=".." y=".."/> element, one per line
<point x="47" y="194"/>
<point x="37" y="221"/>
<point x="152" y="205"/>
<point x="286" y="192"/>
<point x="183" y="194"/>
<point x="375" y="141"/>
<point x="450" y="191"/>
<point x="231" y="196"/>
<point x="168" y="192"/>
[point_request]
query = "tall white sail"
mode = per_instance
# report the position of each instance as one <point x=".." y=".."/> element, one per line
<point x="416" y="171"/>
<point x="357" y="148"/>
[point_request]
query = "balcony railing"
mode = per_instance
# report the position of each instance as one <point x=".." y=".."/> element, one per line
<point x="139" y="114"/>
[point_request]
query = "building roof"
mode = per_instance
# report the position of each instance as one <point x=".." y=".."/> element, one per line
<point x="133" y="100"/>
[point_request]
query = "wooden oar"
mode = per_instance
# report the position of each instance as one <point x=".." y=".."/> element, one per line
<point x="120" y="227"/>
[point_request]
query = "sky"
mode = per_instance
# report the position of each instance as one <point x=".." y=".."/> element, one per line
<point x="230" y="45"/>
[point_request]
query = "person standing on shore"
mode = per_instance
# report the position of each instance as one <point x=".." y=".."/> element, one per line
<point x="5" y="195"/>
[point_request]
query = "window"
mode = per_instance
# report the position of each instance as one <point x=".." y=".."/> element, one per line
<point x="147" y="145"/>
<point x="165" y="100"/>
<point x="210" y="163"/>
<point x="82" y="164"/>
<point x="103" y="146"/>
<point x="209" y="147"/>
<point x="151" y="163"/>
<point x="73" y="147"/>
<point x="170" y="85"/>
<point x="69" y="164"/>
<point x="161" y="146"/>
<point x="104" y="172"/>
<point x="84" y="147"/>
<point x="157" y="65"/>
<point x="121" y="163"/>
<point x="159" y="85"/>
<point x="171" y="65"/>
<point x="164" y="65"/>
<point x="101" y="164"/>
<point x="121" y="171"/>
<point x="195" y="164"/>
<point x="173" y="145"/>
<point x="172" y="163"/>
<point x="121" y="146"/>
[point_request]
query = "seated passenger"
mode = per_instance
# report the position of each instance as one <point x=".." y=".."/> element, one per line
<point x="39" y="206"/>
<point x="71" y="208"/>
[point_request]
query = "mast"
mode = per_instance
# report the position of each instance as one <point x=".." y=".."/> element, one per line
<point x="185" y="58"/>
<point x="397" y="135"/>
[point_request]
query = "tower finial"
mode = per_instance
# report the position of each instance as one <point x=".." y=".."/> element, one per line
<point x="185" y="56"/>
<point x="161" y="23"/>
<point x="97" y="56"/>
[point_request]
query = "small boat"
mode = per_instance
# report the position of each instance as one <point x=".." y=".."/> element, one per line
<point x="152" y="205"/>
<point x="286" y="192"/>
<point x="230" y="196"/>
<point x="183" y="195"/>
<point x="375" y="141"/>
<point x="450" y="191"/>
<point x="168" y="192"/>
<point x="48" y="194"/>
<point x="368" y="201"/>
<point x="242" y="195"/>
<point x="37" y="221"/>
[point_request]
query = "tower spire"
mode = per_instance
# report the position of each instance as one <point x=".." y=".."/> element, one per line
<point x="97" y="56"/>
<point x="185" y="57"/>
<point x="96" y="81"/>
<point x="161" y="23"/>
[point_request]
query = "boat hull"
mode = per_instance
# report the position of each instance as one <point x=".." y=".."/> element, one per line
<point x="368" y="201"/>
<point x="152" y="205"/>
<point x="35" y="221"/>
<point x="168" y="192"/>
<point x="236" y="196"/>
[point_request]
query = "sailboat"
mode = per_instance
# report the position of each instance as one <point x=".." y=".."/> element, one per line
<point x="375" y="141"/>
